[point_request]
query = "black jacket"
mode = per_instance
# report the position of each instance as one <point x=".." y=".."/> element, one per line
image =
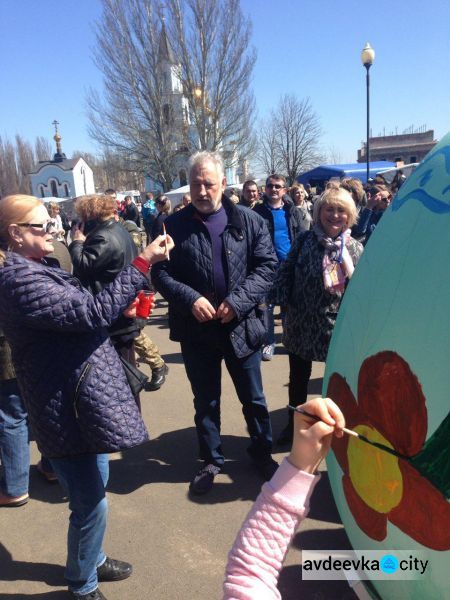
<point x="131" y="213"/>
<point x="294" y="220"/>
<point x="96" y="262"/>
<point x="188" y="275"/>
<point x="157" y="225"/>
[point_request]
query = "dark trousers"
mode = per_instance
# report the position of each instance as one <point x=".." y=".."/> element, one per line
<point x="299" y="376"/>
<point x="203" y="363"/>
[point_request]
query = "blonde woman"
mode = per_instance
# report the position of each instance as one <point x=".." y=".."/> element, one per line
<point x="298" y="194"/>
<point x="70" y="377"/>
<point x="58" y="229"/>
<point x="310" y="284"/>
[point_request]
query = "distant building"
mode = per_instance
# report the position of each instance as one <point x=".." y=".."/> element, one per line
<point x="61" y="177"/>
<point x="406" y="147"/>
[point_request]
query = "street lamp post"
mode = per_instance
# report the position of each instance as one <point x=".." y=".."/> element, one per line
<point x="367" y="58"/>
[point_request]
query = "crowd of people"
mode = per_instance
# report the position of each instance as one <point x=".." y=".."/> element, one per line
<point x="72" y="337"/>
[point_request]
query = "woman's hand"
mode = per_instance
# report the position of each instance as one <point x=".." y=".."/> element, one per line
<point x="158" y="250"/>
<point x="130" y="311"/>
<point x="312" y="439"/>
<point x="78" y="233"/>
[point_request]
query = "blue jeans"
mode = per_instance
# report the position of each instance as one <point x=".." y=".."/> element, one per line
<point x="203" y="364"/>
<point x="14" y="447"/>
<point x="84" y="479"/>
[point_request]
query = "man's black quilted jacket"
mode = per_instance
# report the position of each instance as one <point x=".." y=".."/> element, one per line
<point x="188" y="275"/>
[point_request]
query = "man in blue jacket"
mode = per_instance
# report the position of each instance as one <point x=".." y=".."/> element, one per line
<point x="220" y="271"/>
<point x="285" y="223"/>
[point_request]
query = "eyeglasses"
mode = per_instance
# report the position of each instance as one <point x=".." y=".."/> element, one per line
<point x="275" y="186"/>
<point x="47" y="226"/>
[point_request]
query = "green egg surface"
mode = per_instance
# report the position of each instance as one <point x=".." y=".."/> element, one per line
<point x="388" y="368"/>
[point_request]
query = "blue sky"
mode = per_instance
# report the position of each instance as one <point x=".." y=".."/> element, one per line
<point x="306" y="47"/>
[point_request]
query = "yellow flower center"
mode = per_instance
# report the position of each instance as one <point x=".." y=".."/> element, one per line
<point x="375" y="474"/>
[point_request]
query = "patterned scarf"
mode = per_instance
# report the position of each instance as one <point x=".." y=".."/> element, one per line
<point x="337" y="264"/>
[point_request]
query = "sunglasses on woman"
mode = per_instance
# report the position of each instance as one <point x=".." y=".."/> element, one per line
<point x="47" y="226"/>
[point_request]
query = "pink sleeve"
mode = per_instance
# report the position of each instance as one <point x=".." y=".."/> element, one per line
<point x="257" y="555"/>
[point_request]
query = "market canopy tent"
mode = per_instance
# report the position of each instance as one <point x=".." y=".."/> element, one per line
<point x="358" y="170"/>
<point x="177" y="195"/>
<point x="390" y="174"/>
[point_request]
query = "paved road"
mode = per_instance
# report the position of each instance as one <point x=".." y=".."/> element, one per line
<point x="178" y="546"/>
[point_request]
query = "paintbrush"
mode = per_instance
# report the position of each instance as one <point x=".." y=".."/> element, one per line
<point x="165" y="242"/>
<point x="361" y="437"/>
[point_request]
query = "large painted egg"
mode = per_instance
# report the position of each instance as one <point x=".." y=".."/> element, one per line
<point x="388" y="368"/>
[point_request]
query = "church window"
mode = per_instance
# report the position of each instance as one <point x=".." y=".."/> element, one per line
<point x="66" y="190"/>
<point x="54" y="188"/>
<point x="83" y="174"/>
<point x="183" y="177"/>
<point x="168" y="114"/>
<point x="42" y="191"/>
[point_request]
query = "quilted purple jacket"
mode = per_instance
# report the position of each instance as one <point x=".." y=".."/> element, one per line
<point x="70" y="376"/>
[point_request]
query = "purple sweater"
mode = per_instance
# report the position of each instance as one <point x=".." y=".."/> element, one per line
<point x="215" y="223"/>
<point x="258" y="553"/>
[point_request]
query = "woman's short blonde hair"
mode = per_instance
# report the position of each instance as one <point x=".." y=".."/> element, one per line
<point x="336" y="197"/>
<point x="51" y="206"/>
<point x="294" y="189"/>
<point x="95" y="207"/>
<point x="14" y="209"/>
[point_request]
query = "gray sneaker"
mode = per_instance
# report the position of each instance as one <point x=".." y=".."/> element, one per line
<point x="268" y="352"/>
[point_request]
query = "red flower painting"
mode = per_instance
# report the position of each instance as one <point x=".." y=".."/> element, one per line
<point x="378" y="486"/>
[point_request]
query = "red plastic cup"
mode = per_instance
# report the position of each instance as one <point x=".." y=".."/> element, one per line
<point x="145" y="304"/>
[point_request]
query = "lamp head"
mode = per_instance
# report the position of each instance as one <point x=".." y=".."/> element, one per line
<point x="367" y="55"/>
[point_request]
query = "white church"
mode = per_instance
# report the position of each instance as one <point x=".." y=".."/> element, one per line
<point x="61" y="177"/>
<point x="176" y="107"/>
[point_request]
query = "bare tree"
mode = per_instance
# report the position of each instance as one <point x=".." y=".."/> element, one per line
<point x="42" y="149"/>
<point x="25" y="163"/>
<point x="268" y="155"/>
<point x="138" y="117"/>
<point x="211" y="39"/>
<point x="9" y="179"/>
<point x="129" y="120"/>
<point x="333" y="155"/>
<point x="290" y="138"/>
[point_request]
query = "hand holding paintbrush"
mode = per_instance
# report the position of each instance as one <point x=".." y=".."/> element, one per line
<point x="313" y="431"/>
<point x="302" y="411"/>
<point x="165" y="241"/>
<point x="158" y="250"/>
